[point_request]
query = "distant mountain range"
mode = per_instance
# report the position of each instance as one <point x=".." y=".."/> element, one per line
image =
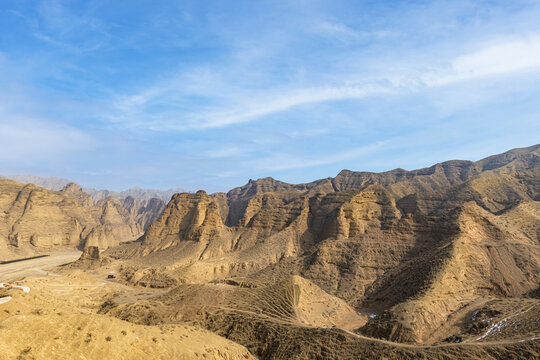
<point x="57" y="184"/>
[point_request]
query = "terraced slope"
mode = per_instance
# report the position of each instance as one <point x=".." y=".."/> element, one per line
<point x="292" y="301"/>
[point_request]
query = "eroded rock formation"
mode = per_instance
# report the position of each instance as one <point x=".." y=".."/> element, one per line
<point x="33" y="219"/>
<point x="412" y="246"/>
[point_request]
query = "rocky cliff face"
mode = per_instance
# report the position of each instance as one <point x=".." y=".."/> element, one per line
<point x="422" y="242"/>
<point x="34" y="219"/>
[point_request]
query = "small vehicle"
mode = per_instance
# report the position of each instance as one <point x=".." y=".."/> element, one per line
<point x="111" y="276"/>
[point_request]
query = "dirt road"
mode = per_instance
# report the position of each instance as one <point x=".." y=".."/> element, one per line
<point x="36" y="266"/>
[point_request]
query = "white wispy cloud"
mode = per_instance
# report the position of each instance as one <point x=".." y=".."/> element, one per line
<point x="62" y="28"/>
<point x="223" y="152"/>
<point x="280" y="162"/>
<point x="284" y="102"/>
<point x="239" y="111"/>
<point x="229" y="105"/>
<point x="342" y="33"/>
<point x="499" y="59"/>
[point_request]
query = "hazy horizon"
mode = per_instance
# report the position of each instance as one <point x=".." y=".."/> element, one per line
<point x="206" y="96"/>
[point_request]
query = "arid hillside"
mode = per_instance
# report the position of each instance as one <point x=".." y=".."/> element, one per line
<point x="36" y="220"/>
<point x="411" y="253"/>
<point x="56" y="317"/>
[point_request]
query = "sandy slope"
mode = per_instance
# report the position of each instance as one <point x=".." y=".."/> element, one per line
<point x="90" y="336"/>
<point x="58" y="320"/>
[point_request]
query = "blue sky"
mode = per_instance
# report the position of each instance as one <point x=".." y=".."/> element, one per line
<point x="208" y="94"/>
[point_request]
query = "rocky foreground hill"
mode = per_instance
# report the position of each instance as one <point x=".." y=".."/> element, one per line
<point x="411" y="253"/>
<point x="35" y="220"/>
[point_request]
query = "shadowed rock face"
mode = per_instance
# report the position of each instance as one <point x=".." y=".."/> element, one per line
<point x="36" y="220"/>
<point x="90" y="253"/>
<point x="422" y="242"/>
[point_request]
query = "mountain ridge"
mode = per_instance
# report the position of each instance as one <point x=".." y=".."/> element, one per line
<point x="363" y="237"/>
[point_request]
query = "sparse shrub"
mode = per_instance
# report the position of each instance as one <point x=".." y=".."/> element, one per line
<point x="88" y="338"/>
<point x="106" y="306"/>
<point x="108" y="338"/>
<point x="23" y="353"/>
<point x="124" y="332"/>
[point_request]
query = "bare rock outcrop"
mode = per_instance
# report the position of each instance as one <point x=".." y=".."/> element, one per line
<point x="35" y="220"/>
